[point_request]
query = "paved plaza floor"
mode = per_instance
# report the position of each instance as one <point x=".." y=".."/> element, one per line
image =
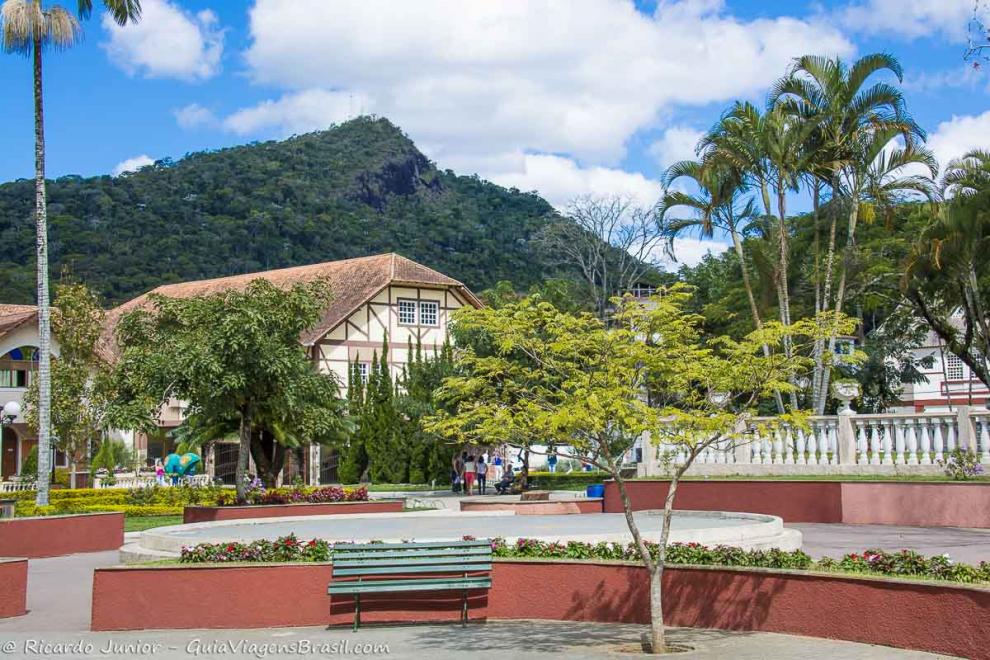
<point x="59" y="601"/>
<point x="60" y="592"/>
<point x="499" y="639"/>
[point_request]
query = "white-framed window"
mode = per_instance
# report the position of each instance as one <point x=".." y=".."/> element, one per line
<point x="407" y="312"/>
<point x="429" y="312"/>
<point x="363" y="371"/>
<point x="953" y="367"/>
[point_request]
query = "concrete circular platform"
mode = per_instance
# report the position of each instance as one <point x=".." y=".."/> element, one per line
<point x="744" y="530"/>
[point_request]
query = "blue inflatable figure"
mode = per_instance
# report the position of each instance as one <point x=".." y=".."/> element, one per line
<point x="181" y="466"/>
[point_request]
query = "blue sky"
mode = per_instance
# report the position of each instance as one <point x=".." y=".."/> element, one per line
<point x="566" y="98"/>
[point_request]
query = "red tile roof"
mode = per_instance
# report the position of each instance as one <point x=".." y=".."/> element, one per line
<point x="353" y="282"/>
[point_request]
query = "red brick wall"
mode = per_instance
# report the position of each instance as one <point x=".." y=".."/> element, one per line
<point x="552" y="507"/>
<point x="52" y="536"/>
<point x="195" y="514"/>
<point x="793" y="501"/>
<point x="946" y="619"/>
<point x="13" y="587"/>
<point x="880" y="503"/>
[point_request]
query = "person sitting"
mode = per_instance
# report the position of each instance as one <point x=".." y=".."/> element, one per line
<point x="505" y="483"/>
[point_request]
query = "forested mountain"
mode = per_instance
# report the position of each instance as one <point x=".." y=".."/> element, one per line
<point x="356" y="189"/>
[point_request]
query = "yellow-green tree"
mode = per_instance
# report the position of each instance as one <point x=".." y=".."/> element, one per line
<point x="573" y="381"/>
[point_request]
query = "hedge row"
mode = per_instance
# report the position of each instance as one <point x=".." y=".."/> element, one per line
<point x="59" y="509"/>
<point x="565" y="480"/>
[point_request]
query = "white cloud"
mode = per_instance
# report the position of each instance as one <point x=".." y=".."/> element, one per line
<point x="294" y="113"/>
<point x="478" y="84"/>
<point x="690" y="252"/>
<point x="194" y="116"/>
<point x="678" y="143"/>
<point x="133" y="164"/>
<point x="909" y="18"/>
<point x="953" y="138"/>
<point x="559" y="180"/>
<point x="168" y="42"/>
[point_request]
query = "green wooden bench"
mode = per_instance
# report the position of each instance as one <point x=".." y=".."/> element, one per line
<point x="394" y="567"/>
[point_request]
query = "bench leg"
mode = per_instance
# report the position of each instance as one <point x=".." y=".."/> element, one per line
<point x="357" y="612"/>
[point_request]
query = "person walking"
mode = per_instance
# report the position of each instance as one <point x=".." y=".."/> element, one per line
<point x="159" y="472"/>
<point x="470" y="472"/>
<point x="482" y="470"/>
<point x="458" y="477"/>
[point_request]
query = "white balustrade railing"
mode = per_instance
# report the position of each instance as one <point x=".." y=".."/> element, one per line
<point x="897" y="440"/>
<point x="147" y="481"/>
<point x="15" y="486"/>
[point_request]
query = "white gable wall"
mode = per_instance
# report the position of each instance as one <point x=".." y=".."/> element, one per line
<point x="361" y="335"/>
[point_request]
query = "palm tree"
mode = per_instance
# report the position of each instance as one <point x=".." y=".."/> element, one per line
<point x="771" y="149"/>
<point x="849" y="118"/>
<point x="28" y="29"/>
<point x="716" y="205"/>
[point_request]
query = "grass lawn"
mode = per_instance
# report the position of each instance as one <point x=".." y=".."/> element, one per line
<point x="141" y="523"/>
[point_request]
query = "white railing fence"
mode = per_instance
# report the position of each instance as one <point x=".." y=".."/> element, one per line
<point x="147" y="481"/>
<point x="853" y="442"/>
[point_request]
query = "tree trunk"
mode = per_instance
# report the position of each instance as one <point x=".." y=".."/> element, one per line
<point x="784" y="261"/>
<point x="243" y="452"/>
<point x="753" y="309"/>
<point x="268" y="455"/>
<point x="44" y="313"/>
<point x="818" y="375"/>
<point x="840" y="295"/>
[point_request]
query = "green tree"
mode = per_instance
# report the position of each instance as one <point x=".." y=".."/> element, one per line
<point x="80" y="384"/>
<point x="429" y="453"/>
<point x="233" y="355"/>
<point x="854" y="125"/>
<point x="354" y="456"/>
<point x="582" y="382"/>
<point x="945" y="278"/>
<point x="27" y="28"/>
<point x="717" y="204"/>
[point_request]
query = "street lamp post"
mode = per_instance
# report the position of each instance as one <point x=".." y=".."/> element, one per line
<point x="11" y="410"/>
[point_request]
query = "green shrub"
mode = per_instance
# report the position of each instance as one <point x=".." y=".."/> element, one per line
<point x="565" y="480"/>
<point x="29" y="468"/>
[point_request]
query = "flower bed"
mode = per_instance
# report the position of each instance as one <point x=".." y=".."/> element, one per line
<point x="904" y="563"/>
<point x="296" y="495"/>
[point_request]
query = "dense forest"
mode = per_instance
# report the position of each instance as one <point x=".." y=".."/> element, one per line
<point x="359" y="188"/>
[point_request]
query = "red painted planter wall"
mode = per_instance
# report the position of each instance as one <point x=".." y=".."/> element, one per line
<point x="880" y="503"/>
<point x="948" y="505"/>
<point x="938" y="618"/>
<point x="13" y="587"/>
<point x="794" y="501"/>
<point x="52" y="536"/>
<point x="552" y="507"/>
<point x="195" y="514"/>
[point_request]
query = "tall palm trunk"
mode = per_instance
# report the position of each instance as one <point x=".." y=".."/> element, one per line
<point x="783" y="290"/>
<point x="754" y="310"/>
<point x="819" y="393"/>
<point x="840" y="294"/>
<point x="44" y="313"/>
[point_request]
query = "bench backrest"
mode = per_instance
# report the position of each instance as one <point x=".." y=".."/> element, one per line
<point x="379" y="559"/>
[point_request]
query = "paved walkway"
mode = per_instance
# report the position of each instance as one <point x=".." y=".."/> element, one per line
<point x="501" y="639"/>
<point x="970" y="546"/>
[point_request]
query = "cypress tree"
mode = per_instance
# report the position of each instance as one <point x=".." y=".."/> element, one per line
<point x="354" y="457"/>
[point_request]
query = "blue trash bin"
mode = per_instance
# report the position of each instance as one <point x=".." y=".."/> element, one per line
<point x="595" y="490"/>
